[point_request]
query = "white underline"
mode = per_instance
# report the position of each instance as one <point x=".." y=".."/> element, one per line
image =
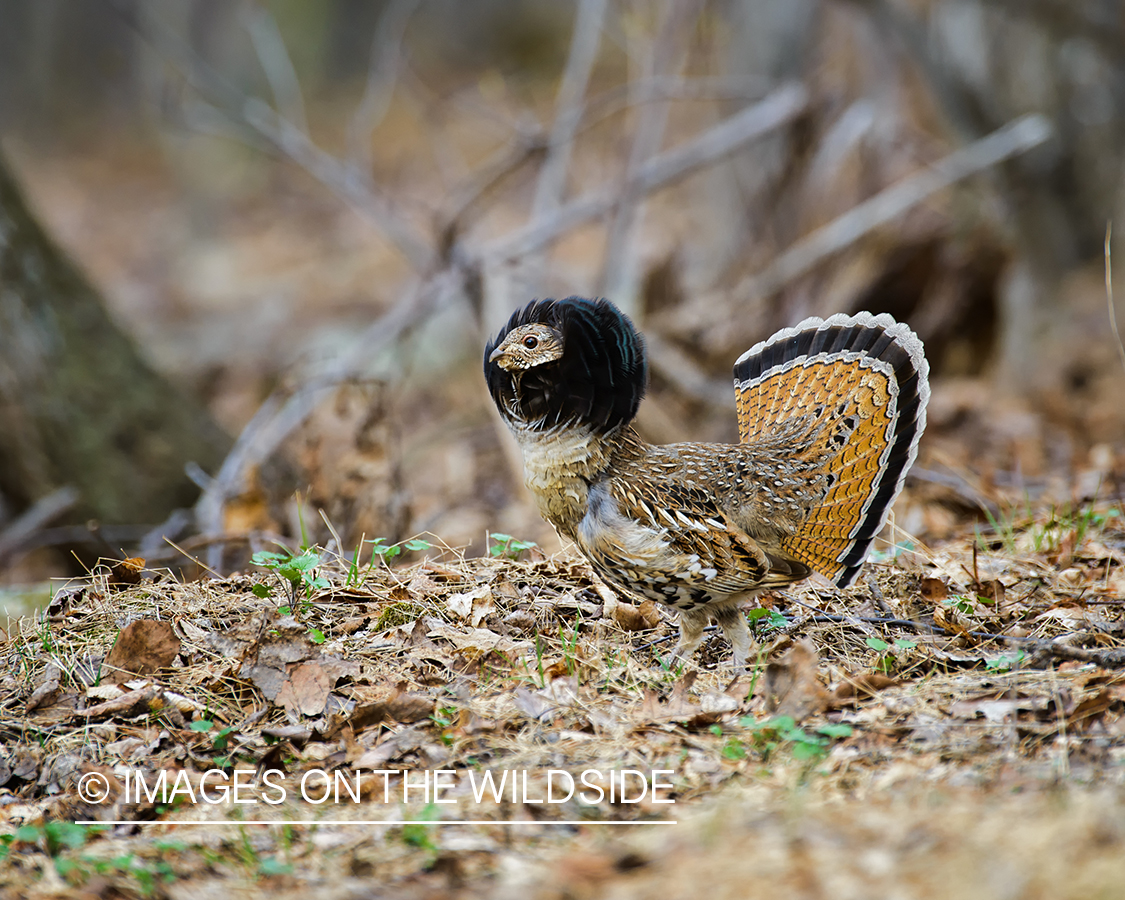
<point x="372" y="822"/>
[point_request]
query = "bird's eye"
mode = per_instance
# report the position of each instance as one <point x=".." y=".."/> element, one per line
<point x="531" y="342"/>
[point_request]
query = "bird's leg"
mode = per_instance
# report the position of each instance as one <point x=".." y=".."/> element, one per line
<point x="692" y="623"/>
<point x="733" y="623"/>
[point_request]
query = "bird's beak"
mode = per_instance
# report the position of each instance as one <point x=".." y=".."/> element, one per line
<point x="496" y="354"/>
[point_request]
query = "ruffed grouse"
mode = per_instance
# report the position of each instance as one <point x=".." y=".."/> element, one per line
<point x="829" y="416"/>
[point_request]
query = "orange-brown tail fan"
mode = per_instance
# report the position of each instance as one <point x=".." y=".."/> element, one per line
<point x="859" y="384"/>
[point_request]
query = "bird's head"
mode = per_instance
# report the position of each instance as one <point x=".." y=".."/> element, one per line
<point x="567" y="362"/>
<point x="528" y="346"/>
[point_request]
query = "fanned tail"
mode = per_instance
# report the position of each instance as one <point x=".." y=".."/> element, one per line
<point x="859" y="386"/>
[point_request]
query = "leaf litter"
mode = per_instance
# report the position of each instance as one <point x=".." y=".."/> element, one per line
<point x="984" y="669"/>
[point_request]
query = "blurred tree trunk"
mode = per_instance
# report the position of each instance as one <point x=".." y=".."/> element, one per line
<point x="78" y="404"/>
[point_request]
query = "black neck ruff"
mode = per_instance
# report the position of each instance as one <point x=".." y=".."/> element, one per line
<point x="597" y="382"/>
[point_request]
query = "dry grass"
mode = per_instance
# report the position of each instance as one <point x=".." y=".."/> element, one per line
<point x="885" y="745"/>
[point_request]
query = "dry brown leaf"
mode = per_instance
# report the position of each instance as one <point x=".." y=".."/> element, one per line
<point x="406" y="706"/>
<point x="933" y="589"/>
<point x="1091" y="708"/>
<point x="390" y="747"/>
<point x="306" y="690"/>
<point x="556" y="670"/>
<point x="680" y="706"/>
<point x="142" y="647"/>
<point x="636" y="618"/>
<point x="352" y="625"/>
<point x="99" y="693"/>
<point x="791" y="686"/>
<point x="521" y="620"/>
<point x="473" y="605"/>
<point x="134" y="703"/>
<point x="504" y="590"/>
<point x="126" y="572"/>
<point x="420" y="586"/>
<point x="48" y="690"/>
<point x="481" y="640"/>
<point x="470" y="724"/>
<point x="532" y="703"/>
<point x="294" y="734"/>
<point x="944" y="620"/>
<point x="863" y="684"/>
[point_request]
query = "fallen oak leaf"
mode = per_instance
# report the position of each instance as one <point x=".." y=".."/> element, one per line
<point x="126" y="572"/>
<point x="142" y="647"/>
<point x="1090" y="708"/>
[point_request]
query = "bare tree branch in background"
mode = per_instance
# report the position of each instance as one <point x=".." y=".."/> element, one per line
<point x="285" y="137"/>
<point x="276" y="64"/>
<point x="17" y="533"/>
<point x="778" y="109"/>
<point x="379" y="87"/>
<point x="844" y="231"/>
<point x="569" y="107"/>
<point x="666" y="55"/>
<point x="890" y="203"/>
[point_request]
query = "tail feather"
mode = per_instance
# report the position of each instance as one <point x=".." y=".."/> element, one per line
<point x="858" y="386"/>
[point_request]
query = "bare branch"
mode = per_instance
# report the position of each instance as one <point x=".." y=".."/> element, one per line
<point x="672" y="87"/>
<point x="382" y="73"/>
<point x="689" y="378"/>
<point x="352" y="187"/>
<point x="16" y="535"/>
<point x="283" y="135"/>
<point x="1014" y="138"/>
<point x="276" y="63"/>
<point x="569" y="106"/>
<point x="280" y="415"/>
<point x="776" y="110"/>
<point x="501" y="164"/>
<point x="667" y="53"/>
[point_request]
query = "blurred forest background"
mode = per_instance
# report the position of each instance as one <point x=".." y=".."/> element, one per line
<point x="250" y="252"/>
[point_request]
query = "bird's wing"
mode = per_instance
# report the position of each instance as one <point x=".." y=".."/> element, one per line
<point x="704" y="550"/>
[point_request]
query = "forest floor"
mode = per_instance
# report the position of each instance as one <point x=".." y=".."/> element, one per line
<point x="953" y="726"/>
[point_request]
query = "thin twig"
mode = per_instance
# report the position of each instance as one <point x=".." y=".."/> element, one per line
<point x="659" y="88"/>
<point x="282" y="135"/>
<point x="1109" y="291"/>
<point x="666" y="54"/>
<point x="269" y="46"/>
<point x="1016" y="137"/>
<point x="34" y="518"/>
<point x="502" y="164"/>
<point x="382" y="73"/>
<point x="778" y="109"/>
<point x="569" y="106"/>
